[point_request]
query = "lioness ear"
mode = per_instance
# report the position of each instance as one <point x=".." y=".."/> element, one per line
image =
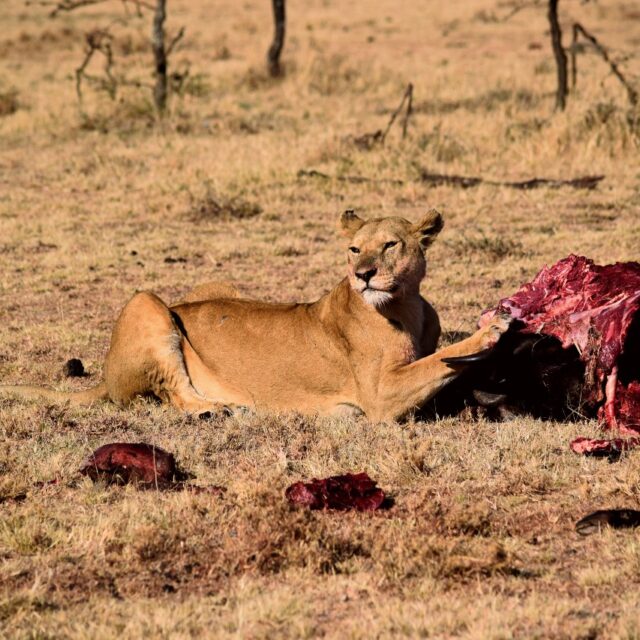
<point x="428" y="228"/>
<point x="350" y="222"/>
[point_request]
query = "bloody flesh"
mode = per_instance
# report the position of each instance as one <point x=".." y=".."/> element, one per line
<point x="595" y="309"/>
<point x="124" y="462"/>
<point x="349" y="491"/>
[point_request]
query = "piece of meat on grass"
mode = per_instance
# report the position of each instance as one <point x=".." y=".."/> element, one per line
<point x="125" y="462"/>
<point x="349" y="491"/>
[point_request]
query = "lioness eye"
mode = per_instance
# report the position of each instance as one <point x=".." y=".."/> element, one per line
<point x="388" y="245"/>
<point x="354" y="249"/>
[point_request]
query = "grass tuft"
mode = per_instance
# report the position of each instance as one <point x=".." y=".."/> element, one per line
<point x="214" y="206"/>
<point x="480" y="542"/>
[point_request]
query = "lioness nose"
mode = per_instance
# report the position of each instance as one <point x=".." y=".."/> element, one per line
<point x="366" y="275"/>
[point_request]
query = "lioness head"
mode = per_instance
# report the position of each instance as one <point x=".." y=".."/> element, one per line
<point x="386" y="255"/>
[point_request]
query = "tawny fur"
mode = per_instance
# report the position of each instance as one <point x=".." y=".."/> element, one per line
<point x="367" y="346"/>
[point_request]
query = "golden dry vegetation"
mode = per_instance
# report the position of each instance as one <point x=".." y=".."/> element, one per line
<point x="100" y="203"/>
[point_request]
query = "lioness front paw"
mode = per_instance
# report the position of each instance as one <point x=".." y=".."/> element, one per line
<point x="492" y="331"/>
<point x="481" y="343"/>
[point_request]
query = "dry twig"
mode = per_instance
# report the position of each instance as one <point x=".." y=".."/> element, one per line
<point x="98" y="40"/>
<point x="312" y="173"/>
<point x="582" y="182"/>
<point x="438" y="179"/>
<point x="517" y="8"/>
<point x="368" y="140"/>
<point x="175" y="40"/>
<point x="60" y="6"/>
<point x="578" y="30"/>
<point x="64" y="5"/>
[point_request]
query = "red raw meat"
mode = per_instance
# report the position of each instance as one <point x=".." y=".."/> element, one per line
<point x="147" y="466"/>
<point x="597" y="310"/>
<point x="595" y="447"/>
<point x="124" y="462"/>
<point x="350" y="491"/>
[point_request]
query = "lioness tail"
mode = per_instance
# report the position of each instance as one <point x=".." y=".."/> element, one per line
<point x="74" y="397"/>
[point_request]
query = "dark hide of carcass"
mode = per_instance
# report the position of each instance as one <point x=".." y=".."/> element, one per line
<point x="350" y="491"/>
<point x="523" y="374"/>
<point x="614" y="518"/>
<point x="586" y="320"/>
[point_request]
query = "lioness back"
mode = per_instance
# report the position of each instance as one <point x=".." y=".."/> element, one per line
<point x="271" y="354"/>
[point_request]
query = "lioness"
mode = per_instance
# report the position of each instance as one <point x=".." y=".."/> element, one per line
<point x="367" y="346"/>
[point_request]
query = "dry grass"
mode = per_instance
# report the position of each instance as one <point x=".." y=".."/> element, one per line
<point x="95" y="206"/>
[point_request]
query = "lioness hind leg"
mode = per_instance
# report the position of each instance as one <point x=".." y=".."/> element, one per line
<point x="145" y="358"/>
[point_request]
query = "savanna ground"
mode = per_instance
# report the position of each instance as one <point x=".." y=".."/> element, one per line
<point x="97" y="205"/>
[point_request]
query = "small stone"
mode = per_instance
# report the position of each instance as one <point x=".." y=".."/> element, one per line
<point x="74" y="368"/>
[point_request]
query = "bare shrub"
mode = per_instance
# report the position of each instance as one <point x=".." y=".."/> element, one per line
<point x="101" y="41"/>
<point x="521" y="98"/>
<point x="289" y="251"/>
<point x="215" y="206"/>
<point x="525" y="128"/>
<point x="443" y="146"/>
<point x="257" y="79"/>
<point x="334" y="75"/>
<point x="608" y="125"/>
<point x="8" y="102"/>
<point x="136" y="112"/>
<point x="488" y="247"/>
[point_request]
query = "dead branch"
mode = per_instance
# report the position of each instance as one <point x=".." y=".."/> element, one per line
<point x="438" y="179"/>
<point x="100" y="41"/>
<point x="409" y="111"/>
<point x="408" y="97"/>
<point x="312" y="173"/>
<point x="175" y="40"/>
<point x="273" y="55"/>
<point x="368" y="140"/>
<point x="559" y="54"/>
<point x="139" y="5"/>
<point x="574" y="55"/>
<point x="97" y="41"/>
<point x="465" y="182"/>
<point x="60" y="6"/>
<point x="64" y="5"/>
<point x="517" y="8"/>
<point x="578" y="30"/>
